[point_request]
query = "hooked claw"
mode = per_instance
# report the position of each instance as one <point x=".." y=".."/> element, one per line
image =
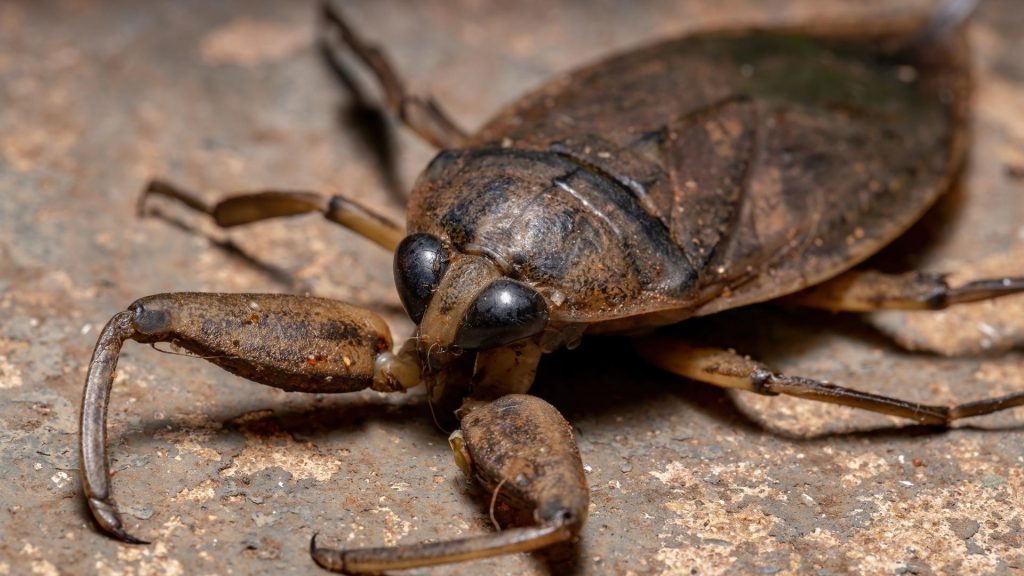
<point x="499" y="445"/>
<point x="348" y="340"/>
<point x="375" y="560"/>
<point x="109" y="519"/>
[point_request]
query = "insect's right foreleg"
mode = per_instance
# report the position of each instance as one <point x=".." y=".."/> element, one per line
<point x="290" y="342"/>
<point x="421" y="114"/>
<point x="248" y="207"/>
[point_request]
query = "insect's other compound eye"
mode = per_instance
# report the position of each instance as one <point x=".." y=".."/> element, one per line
<point x="504" y="312"/>
<point x="420" y="262"/>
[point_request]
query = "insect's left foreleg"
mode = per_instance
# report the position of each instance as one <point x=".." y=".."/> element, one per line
<point x="728" y="369"/>
<point x="522" y="450"/>
<point x="866" y="291"/>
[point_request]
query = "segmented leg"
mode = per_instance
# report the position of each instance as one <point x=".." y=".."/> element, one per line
<point x="865" y="291"/>
<point x="290" y="342"/>
<point x="518" y="447"/>
<point x="421" y="114"/>
<point x="247" y="207"/>
<point x="730" y="370"/>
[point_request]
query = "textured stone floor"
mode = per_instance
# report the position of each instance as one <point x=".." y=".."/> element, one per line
<point x="227" y="477"/>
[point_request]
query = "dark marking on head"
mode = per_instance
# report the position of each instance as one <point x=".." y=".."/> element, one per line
<point x="462" y="218"/>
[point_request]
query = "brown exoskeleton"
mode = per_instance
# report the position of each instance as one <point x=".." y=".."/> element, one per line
<point x="679" y="180"/>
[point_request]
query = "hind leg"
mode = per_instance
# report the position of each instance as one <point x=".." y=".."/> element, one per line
<point x="421" y="114"/>
<point x="868" y="291"/>
<point x="992" y="323"/>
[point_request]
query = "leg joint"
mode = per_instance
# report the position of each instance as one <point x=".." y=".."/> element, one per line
<point x="761" y="381"/>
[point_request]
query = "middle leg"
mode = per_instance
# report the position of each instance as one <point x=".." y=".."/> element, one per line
<point x="728" y="369"/>
<point x="248" y="207"/>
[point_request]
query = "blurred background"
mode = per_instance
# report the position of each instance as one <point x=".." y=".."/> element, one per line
<point x="225" y="476"/>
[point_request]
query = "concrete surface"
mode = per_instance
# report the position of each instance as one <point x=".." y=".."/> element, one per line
<point x="227" y="477"/>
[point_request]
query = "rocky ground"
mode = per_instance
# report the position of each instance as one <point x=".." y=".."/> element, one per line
<point x="227" y="477"/>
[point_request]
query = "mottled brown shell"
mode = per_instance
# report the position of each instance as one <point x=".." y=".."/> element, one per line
<point x="706" y="173"/>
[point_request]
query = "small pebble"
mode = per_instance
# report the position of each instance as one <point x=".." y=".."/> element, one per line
<point x="992" y="480"/>
<point x="140" y="512"/>
<point x="964" y="528"/>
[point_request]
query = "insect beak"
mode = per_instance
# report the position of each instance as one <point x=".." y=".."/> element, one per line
<point x="467" y="276"/>
<point x="477" y="309"/>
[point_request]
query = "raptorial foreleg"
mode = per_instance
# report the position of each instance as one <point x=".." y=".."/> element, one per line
<point x="289" y="342"/>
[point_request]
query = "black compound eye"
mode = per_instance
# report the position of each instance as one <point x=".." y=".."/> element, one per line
<point x="504" y="312"/>
<point x="420" y="263"/>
